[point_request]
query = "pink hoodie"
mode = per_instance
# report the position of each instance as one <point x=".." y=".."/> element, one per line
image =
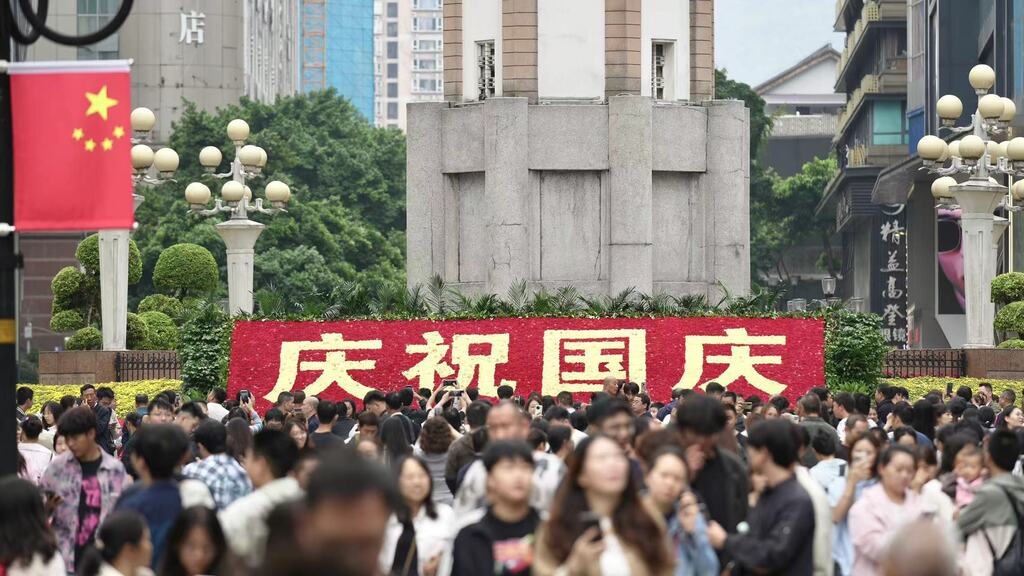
<point x="874" y="518"/>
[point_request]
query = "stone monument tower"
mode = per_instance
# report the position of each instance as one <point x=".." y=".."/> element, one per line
<point x="578" y="145"/>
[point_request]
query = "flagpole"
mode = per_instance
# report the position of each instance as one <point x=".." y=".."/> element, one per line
<point x="10" y="260"/>
<point x="8" y="304"/>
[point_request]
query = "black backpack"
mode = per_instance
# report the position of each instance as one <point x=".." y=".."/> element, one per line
<point x="1012" y="561"/>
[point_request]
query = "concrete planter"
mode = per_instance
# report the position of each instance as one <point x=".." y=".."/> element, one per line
<point x="996" y="364"/>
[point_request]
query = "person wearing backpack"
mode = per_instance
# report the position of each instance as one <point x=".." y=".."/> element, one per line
<point x="991" y="524"/>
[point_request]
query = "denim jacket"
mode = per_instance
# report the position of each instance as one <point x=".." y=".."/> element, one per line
<point x="694" y="554"/>
<point x="63" y="477"/>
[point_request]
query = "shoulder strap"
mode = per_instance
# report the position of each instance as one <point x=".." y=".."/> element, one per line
<point x="1013" y="504"/>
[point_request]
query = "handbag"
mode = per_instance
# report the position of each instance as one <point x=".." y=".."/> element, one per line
<point x="1012" y="561"/>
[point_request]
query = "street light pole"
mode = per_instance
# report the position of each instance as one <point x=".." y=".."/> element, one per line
<point x="238" y="232"/>
<point x="976" y="156"/>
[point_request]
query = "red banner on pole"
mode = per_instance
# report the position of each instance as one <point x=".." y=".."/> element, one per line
<point x="339" y="360"/>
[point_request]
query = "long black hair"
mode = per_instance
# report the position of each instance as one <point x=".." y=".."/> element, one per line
<point x="395" y="441"/>
<point x="24" y="531"/>
<point x="55" y="409"/>
<point x="120" y="529"/>
<point x="403" y="512"/>
<point x="194" y="517"/>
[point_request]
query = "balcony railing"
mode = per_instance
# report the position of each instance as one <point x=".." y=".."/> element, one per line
<point x="872" y="12"/>
<point x="863" y="155"/>
<point x="893" y="81"/>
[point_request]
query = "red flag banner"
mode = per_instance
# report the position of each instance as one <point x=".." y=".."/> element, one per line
<point x="339" y="360"/>
<point x="72" y="145"/>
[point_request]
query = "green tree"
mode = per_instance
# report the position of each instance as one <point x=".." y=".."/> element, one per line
<point x="186" y="270"/>
<point x="347" y="213"/>
<point x="76" y="292"/>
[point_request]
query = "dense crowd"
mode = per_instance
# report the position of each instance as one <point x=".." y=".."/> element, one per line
<point x="438" y="482"/>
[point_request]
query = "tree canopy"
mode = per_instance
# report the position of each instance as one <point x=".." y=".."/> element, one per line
<point x="346" y="220"/>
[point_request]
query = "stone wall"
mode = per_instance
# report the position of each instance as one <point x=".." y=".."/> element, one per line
<point x="604" y="197"/>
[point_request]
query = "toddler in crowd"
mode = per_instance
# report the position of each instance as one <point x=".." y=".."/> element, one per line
<point x="968" y="468"/>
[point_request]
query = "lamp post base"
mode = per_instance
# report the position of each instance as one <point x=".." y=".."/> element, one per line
<point x="240" y="237"/>
<point x="978" y="200"/>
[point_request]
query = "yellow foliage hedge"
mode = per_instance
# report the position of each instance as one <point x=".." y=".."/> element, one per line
<point x="124" y="392"/>
<point x="918" y="387"/>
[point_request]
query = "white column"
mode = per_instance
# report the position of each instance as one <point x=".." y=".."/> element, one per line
<point x="114" y="285"/>
<point x="999" y="226"/>
<point x="977" y="200"/>
<point x="240" y="238"/>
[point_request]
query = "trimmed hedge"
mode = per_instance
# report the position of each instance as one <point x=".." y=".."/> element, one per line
<point x="186" y="269"/>
<point x="124" y="391"/>
<point x="168" y="305"/>
<point x="918" y="387"/>
<point x="138" y="332"/>
<point x="88" y="255"/>
<point x="66" y="286"/>
<point x="88" y="338"/>
<point x="1013" y="344"/>
<point x="163" y="334"/>
<point x="67" y="321"/>
<point x="1010" y="318"/>
<point x="1008" y="288"/>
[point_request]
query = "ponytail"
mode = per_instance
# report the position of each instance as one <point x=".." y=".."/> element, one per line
<point x="118" y="530"/>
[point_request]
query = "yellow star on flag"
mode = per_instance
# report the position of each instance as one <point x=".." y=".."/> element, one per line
<point x="108" y="143"/>
<point x="90" y="145"/>
<point x="118" y="131"/>
<point x="77" y="134"/>
<point x="99" y="103"/>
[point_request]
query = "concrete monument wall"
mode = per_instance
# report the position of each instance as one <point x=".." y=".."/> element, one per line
<point x="632" y="193"/>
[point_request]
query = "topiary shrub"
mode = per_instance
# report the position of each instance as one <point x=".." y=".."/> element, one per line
<point x="1013" y="344"/>
<point x="1008" y="287"/>
<point x="169" y="305"/>
<point x="66" y="287"/>
<point x="67" y="321"/>
<point x="1010" y="318"/>
<point x="163" y="333"/>
<point x="88" y="255"/>
<point x="138" y="332"/>
<point x="854" y="350"/>
<point x="134" y="262"/>
<point x="88" y="338"/>
<point x="186" y="270"/>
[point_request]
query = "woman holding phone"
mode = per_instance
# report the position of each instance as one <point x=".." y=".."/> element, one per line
<point x="845" y="490"/>
<point x="598" y="523"/>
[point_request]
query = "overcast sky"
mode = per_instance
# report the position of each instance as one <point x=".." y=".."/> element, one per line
<point x="756" y="39"/>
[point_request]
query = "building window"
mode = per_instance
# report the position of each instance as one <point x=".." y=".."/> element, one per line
<point x="392" y="9"/>
<point x="392" y="110"/>
<point x="426" y="64"/>
<point x="392" y="90"/>
<point x="427" y="24"/>
<point x="661" y="70"/>
<point x="392" y="29"/>
<point x="426" y="45"/>
<point x="485" y="68"/>
<point x="392" y="70"/>
<point x="93" y="15"/>
<point x="888" y="123"/>
<point x="426" y="4"/>
<point x="393" y="50"/>
<point x="426" y="84"/>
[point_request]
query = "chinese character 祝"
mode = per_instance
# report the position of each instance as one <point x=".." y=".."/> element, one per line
<point x="740" y="364"/>
<point x="334" y="368"/>
<point x="593" y="356"/>
<point x="480" y="366"/>
<point x="193" y="26"/>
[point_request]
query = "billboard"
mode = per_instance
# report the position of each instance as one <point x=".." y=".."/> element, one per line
<point x="347" y="359"/>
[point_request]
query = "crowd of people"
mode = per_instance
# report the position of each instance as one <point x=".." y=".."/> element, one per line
<point x="443" y="481"/>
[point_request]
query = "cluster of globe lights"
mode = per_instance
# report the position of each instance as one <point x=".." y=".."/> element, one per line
<point x="974" y="154"/>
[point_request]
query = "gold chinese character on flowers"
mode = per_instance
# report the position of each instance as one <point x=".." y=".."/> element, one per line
<point x="473" y="364"/>
<point x="579" y="360"/>
<point x="334" y="369"/>
<point x="739" y="364"/>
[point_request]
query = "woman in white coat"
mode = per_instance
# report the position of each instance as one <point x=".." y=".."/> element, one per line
<point x="419" y="535"/>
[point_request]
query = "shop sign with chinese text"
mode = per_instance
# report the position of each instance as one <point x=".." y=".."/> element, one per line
<point x="337" y="360"/>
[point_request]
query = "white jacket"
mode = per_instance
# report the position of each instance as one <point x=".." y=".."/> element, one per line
<point x="433" y="536"/>
<point x="245" y="521"/>
<point x="55" y="567"/>
<point x="823" y="564"/>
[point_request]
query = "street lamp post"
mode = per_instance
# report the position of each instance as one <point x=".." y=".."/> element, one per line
<point x="978" y="157"/>
<point x="113" y="246"/>
<point x="239" y="233"/>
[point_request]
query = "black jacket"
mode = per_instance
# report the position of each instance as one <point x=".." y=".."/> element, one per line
<point x="473" y="551"/>
<point x="780" y="539"/>
<point x="103" y="436"/>
<point x="722" y="484"/>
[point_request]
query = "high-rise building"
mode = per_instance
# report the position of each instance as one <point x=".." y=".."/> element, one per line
<point x="408" y="37"/>
<point x="210" y="52"/>
<point x="337" y="50"/>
